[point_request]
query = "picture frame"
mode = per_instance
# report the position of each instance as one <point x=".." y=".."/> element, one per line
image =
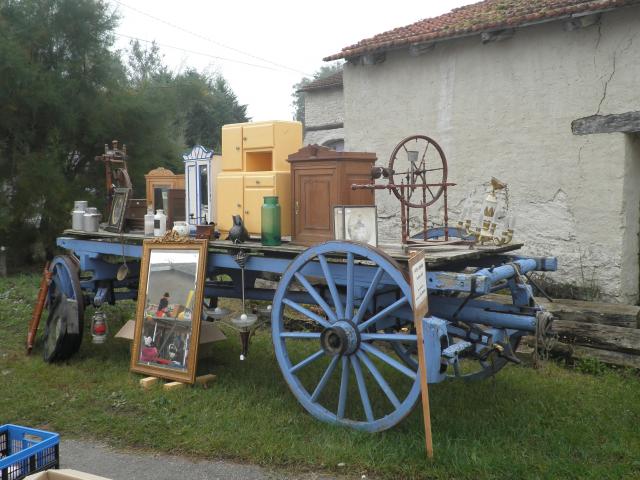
<point x="358" y="223"/>
<point x="119" y="202"/>
<point x="169" y="309"/>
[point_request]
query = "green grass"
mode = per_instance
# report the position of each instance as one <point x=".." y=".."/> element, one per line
<point x="547" y="423"/>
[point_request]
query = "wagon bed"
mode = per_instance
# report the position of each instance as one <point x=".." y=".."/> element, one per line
<point x="340" y="310"/>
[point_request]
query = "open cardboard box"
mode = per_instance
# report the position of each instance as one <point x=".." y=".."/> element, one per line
<point x="209" y="333"/>
<point x="64" y="474"/>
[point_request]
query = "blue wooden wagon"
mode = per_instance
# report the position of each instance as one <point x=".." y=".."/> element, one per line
<point x="341" y="319"/>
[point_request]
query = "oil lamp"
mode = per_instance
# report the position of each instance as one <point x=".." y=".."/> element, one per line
<point x="99" y="327"/>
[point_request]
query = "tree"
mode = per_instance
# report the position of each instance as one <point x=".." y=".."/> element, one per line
<point x="298" y="96"/>
<point x="65" y="92"/>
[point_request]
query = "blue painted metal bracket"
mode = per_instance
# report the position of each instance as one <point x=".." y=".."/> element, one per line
<point x="434" y="332"/>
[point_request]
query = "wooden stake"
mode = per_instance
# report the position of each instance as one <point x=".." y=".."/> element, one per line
<point x="418" y="276"/>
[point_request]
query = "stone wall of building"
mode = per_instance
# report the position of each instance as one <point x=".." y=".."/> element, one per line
<point x="324" y="107"/>
<point x="505" y="109"/>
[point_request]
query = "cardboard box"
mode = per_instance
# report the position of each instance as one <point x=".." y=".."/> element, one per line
<point x="209" y="333"/>
<point x="64" y="474"/>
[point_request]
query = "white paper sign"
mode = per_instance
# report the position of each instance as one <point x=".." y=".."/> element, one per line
<point x="419" y="284"/>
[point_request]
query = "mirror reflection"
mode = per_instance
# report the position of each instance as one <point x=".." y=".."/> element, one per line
<point x="168" y="310"/>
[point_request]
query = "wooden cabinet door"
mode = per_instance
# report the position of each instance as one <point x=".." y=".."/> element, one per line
<point x="257" y="136"/>
<point x="232" y="147"/>
<point x="228" y="200"/>
<point x="253" y="200"/>
<point x="315" y="193"/>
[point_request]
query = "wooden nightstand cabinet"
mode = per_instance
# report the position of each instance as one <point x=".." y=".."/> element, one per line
<point x="159" y="181"/>
<point x="321" y="178"/>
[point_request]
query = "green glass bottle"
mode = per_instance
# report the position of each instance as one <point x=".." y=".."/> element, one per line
<point x="271" y="221"/>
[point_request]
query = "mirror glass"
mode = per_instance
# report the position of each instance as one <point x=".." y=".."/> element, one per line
<point x="161" y="197"/>
<point x="204" y="193"/>
<point x="168" y="308"/>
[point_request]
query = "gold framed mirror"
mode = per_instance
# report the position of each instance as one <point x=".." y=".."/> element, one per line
<point x="169" y="309"/>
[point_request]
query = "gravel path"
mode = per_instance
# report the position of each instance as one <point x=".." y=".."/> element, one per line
<point x="99" y="459"/>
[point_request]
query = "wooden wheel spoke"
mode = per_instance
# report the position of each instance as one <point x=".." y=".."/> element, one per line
<point x="316" y="296"/>
<point x="348" y="312"/>
<point x="300" y="335"/>
<point x="382" y="383"/>
<point x="335" y="295"/>
<point x="344" y="387"/>
<point x="362" y="387"/>
<point x="325" y="378"/>
<point x="306" y="312"/>
<point x="307" y="361"/>
<point x="388" y="360"/>
<point x="368" y="296"/>
<point x="383" y="313"/>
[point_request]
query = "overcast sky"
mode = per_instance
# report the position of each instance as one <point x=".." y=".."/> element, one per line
<point x="263" y="48"/>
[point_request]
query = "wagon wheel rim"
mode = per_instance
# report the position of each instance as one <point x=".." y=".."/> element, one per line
<point x="65" y="285"/>
<point x="345" y="336"/>
<point x="440" y="165"/>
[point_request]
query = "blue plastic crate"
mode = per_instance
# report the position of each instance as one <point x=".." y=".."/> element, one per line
<point x="24" y="451"/>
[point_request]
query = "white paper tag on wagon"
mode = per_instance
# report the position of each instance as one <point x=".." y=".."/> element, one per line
<point x="419" y="284"/>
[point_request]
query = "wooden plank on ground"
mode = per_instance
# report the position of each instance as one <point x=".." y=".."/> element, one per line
<point x="174" y="385"/>
<point x="148" y="382"/>
<point x="606" y="337"/>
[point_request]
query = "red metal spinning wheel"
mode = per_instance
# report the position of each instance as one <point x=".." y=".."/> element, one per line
<point x="417" y="172"/>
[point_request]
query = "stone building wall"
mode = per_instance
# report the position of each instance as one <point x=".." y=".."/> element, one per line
<point x="505" y="109"/>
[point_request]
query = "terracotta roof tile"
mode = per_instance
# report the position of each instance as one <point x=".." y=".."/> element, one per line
<point x="477" y="18"/>
<point x="333" y="80"/>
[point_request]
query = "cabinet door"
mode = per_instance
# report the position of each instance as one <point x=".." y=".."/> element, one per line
<point x="253" y="200"/>
<point x="257" y="136"/>
<point x="314" y="197"/>
<point x="228" y="200"/>
<point x="232" y="147"/>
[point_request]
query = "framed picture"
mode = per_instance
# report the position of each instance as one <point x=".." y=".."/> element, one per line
<point x="356" y="223"/>
<point x="115" y="222"/>
<point x="169" y="307"/>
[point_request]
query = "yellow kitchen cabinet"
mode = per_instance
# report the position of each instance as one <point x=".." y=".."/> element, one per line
<point x="244" y="195"/>
<point x="257" y="135"/>
<point x="232" y="147"/>
<point x="229" y="199"/>
<point x="256" y="152"/>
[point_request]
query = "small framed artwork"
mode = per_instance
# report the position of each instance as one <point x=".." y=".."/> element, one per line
<point x="169" y="308"/>
<point x="115" y="222"/>
<point x="356" y="223"/>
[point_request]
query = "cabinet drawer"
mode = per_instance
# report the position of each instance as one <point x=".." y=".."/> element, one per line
<point x="257" y="136"/>
<point x="259" y="181"/>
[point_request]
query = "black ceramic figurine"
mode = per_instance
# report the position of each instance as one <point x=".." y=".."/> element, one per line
<point x="238" y="232"/>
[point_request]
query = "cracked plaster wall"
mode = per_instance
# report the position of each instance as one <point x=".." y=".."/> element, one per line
<point x="504" y="109"/>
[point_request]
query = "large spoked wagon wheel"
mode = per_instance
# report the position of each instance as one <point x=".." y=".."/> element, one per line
<point x="329" y="314"/>
<point x="473" y="366"/>
<point x="65" y="322"/>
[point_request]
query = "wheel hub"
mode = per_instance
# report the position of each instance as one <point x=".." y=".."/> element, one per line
<point x="342" y="338"/>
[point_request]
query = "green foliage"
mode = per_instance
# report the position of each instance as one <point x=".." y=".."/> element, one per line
<point x="591" y="366"/>
<point x="65" y="92"/>
<point x="298" y="97"/>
